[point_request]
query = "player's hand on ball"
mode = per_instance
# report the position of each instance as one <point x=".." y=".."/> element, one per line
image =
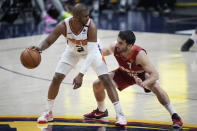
<point x="36" y="48"/>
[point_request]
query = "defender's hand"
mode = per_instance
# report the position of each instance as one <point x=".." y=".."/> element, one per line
<point x="77" y="82"/>
<point x="139" y="81"/>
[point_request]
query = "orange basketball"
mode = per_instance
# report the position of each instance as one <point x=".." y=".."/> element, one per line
<point x="30" y="58"/>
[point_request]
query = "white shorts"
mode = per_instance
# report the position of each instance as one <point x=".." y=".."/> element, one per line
<point x="69" y="59"/>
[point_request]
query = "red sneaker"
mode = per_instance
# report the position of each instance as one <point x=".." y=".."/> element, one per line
<point x="96" y="114"/>
<point x="177" y="122"/>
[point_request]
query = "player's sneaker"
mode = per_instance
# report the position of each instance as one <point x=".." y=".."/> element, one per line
<point x="45" y="117"/>
<point x="187" y="45"/>
<point x="121" y="121"/>
<point x="96" y="114"/>
<point x="177" y="122"/>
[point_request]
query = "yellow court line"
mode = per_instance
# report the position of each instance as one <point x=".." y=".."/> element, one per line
<point x="106" y="125"/>
<point x="186" y="4"/>
<point x="110" y="119"/>
<point x="25" y="123"/>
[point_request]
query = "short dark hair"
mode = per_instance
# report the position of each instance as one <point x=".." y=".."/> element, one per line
<point x="127" y="35"/>
<point x="78" y="8"/>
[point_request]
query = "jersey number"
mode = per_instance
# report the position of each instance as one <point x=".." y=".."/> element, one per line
<point x="129" y="64"/>
<point x="79" y="48"/>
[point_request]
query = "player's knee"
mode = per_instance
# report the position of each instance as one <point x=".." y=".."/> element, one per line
<point x="155" y="88"/>
<point x="97" y="85"/>
<point x="106" y="81"/>
<point x="58" y="77"/>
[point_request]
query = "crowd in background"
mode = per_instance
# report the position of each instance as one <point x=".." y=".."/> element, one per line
<point x="52" y="11"/>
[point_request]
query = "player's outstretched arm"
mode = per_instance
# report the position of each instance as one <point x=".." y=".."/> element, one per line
<point x="109" y="50"/>
<point x="92" y="48"/>
<point x="143" y="60"/>
<point x="51" y="38"/>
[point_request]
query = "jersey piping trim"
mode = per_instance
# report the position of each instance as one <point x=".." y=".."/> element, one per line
<point x="130" y="56"/>
<point x="71" y="28"/>
<point x="89" y="24"/>
<point x="65" y="27"/>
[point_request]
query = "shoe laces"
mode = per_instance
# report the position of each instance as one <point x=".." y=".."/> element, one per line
<point x="120" y="117"/>
<point x="46" y="113"/>
<point x="94" y="111"/>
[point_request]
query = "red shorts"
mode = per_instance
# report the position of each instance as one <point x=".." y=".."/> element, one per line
<point x="124" y="80"/>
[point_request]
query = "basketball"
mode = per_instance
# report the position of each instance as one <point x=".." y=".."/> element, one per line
<point x="30" y="58"/>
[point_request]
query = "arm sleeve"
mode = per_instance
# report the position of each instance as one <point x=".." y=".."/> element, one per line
<point x="92" y="48"/>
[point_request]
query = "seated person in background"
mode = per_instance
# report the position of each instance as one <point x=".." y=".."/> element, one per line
<point x="58" y="6"/>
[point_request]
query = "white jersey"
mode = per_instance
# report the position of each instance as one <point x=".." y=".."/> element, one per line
<point x="77" y="48"/>
<point x="77" y="42"/>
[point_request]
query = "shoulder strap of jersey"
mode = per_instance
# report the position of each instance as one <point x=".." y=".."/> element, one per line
<point x="88" y="25"/>
<point x="66" y="22"/>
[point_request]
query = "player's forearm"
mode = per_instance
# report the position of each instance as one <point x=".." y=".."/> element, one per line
<point x="87" y="63"/>
<point x="92" y="48"/>
<point x="44" y="45"/>
<point x="52" y="37"/>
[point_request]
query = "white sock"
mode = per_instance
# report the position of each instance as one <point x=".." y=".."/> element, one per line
<point x="101" y="106"/>
<point x="50" y="104"/>
<point x="170" y="108"/>
<point x="118" y="108"/>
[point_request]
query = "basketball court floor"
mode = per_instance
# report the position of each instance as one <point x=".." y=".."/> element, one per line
<point x="23" y="92"/>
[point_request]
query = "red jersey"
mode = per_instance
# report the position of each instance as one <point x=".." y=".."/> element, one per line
<point x="128" y="64"/>
<point x="123" y="75"/>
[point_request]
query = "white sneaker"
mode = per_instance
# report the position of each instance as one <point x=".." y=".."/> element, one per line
<point x="45" y="117"/>
<point x="121" y="120"/>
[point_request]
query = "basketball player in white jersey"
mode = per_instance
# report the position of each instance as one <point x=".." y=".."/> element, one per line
<point x="81" y="34"/>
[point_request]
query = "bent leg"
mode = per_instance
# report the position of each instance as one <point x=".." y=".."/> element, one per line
<point x="99" y="91"/>
<point x="113" y="95"/>
<point x="164" y="100"/>
<point x="160" y="93"/>
<point x="109" y="86"/>
<point x="55" y="84"/>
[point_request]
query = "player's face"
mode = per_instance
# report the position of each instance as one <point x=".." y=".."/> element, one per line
<point x="121" y="45"/>
<point x="84" y="17"/>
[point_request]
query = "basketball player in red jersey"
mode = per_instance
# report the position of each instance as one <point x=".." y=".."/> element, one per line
<point x="134" y="68"/>
<point x="81" y="35"/>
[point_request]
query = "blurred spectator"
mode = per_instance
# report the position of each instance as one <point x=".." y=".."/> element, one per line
<point x="122" y="7"/>
<point x="189" y="43"/>
<point x="68" y="5"/>
<point x="46" y="17"/>
<point x="162" y="6"/>
<point x="58" y="6"/>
